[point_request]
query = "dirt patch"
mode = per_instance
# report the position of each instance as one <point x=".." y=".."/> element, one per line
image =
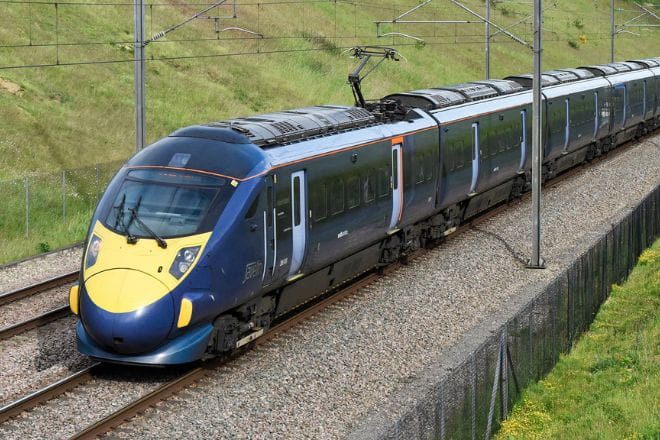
<point x="9" y="86"/>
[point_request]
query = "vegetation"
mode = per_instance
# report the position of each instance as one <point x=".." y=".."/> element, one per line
<point x="67" y="117"/>
<point x="607" y="387"/>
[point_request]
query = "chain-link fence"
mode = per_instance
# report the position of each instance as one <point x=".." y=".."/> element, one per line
<point x="47" y="211"/>
<point x="473" y="393"/>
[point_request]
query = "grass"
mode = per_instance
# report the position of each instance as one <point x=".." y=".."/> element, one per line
<point x="69" y="117"/>
<point x="607" y="387"/>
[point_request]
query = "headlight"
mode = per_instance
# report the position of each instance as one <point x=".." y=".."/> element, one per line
<point x="93" y="251"/>
<point x="183" y="261"/>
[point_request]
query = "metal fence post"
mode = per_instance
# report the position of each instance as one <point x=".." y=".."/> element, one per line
<point x="98" y="178"/>
<point x="27" y="206"/>
<point x="473" y="389"/>
<point x="63" y="196"/>
<point x="504" y="375"/>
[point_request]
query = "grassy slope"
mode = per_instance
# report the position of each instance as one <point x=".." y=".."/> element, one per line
<point x="67" y="117"/>
<point x="607" y="387"/>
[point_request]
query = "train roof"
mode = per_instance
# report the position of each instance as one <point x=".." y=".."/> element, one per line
<point x="562" y="75"/>
<point x="294" y="125"/>
<point x="441" y="97"/>
<point x="473" y="91"/>
<point x="648" y="62"/>
<point x="503" y="86"/>
<point x="580" y="73"/>
<point x="427" y="99"/>
<point x="525" y="80"/>
<point x="600" y="69"/>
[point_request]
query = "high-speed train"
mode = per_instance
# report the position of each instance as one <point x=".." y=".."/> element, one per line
<point x="206" y="237"/>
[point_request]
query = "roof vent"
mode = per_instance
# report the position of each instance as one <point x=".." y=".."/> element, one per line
<point x="299" y="124"/>
<point x="473" y="91"/>
<point x="427" y="99"/>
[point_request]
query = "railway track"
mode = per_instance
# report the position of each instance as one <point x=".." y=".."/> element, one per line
<point x="37" y="321"/>
<point x="34" y="289"/>
<point x="169" y="388"/>
<point x="47" y="393"/>
<point x="39" y="287"/>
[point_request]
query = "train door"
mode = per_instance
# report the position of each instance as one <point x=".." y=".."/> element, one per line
<point x="298" y="220"/>
<point x="567" y="127"/>
<point x="270" y="239"/>
<point x="475" y="157"/>
<point x="644" y="100"/>
<point x="523" y="141"/>
<point x="596" y="116"/>
<point x="397" y="182"/>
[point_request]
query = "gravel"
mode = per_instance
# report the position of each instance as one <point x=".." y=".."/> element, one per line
<point x="322" y="378"/>
<point x="62" y="417"/>
<point x="26" y="308"/>
<point x="37" y="269"/>
<point x="38" y="357"/>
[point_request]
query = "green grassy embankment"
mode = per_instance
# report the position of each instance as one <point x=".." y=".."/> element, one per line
<point x="68" y="117"/>
<point x="607" y="387"/>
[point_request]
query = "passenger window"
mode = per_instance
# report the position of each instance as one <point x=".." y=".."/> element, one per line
<point x="296" y="201"/>
<point x="253" y="208"/>
<point x="336" y="196"/>
<point x="395" y="169"/>
<point x="269" y="199"/>
<point x="319" y="203"/>
<point x="428" y="167"/>
<point x="368" y="186"/>
<point x="352" y="192"/>
<point x="383" y="182"/>
<point x="419" y="169"/>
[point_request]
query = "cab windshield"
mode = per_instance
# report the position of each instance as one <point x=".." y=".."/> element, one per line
<point x="170" y="203"/>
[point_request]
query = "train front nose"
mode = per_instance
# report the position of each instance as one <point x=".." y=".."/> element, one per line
<point x="127" y="311"/>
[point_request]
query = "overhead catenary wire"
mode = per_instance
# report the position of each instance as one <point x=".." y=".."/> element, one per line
<point x="262" y="52"/>
<point x="260" y="46"/>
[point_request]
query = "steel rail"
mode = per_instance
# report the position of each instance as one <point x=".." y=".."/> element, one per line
<point x="39" y="287"/>
<point x="38" y="321"/>
<point x="46" y="393"/>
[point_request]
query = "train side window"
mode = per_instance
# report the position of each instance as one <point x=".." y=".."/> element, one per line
<point x="319" y="202"/>
<point x="336" y="196"/>
<point x="253" y="208"/>
<point x="458" y="154"/>
<point x="419" y="168"/>
<point x="296" y="201"/>
<point x="428" y="167"/>
<point x="269" y="200"/>
<point x="352" y="192"/>
<point x="383" y="182"/>
<point x="369" y="187"/>
<point x="395" y="169"/>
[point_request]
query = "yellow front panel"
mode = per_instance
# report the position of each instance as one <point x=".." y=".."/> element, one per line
<point x="127" y="277"/>
<point x="123" y="291"/>
<point x="73" y="299"/>
<point x="185" y="313"/>
<point x="145" y="255"/>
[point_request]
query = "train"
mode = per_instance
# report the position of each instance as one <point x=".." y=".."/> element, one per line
<point x="204" y="239"/>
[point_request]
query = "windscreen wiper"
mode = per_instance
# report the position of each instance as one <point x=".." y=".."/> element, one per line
<point x="119" y="221"/>
<point x="134" y="216"/>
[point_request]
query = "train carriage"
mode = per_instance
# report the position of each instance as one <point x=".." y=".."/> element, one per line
<point x="205" y="237"/>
